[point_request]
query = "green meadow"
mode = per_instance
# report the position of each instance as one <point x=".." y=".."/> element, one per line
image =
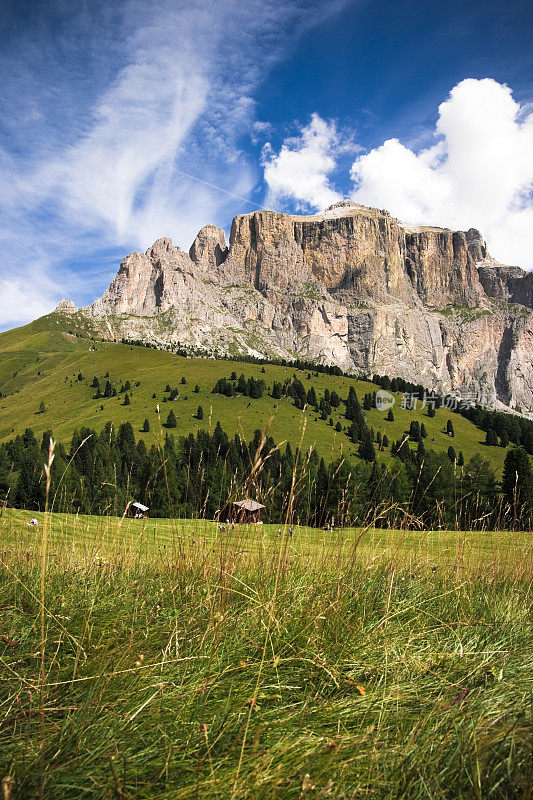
<point x="168" y="659"/>
<point x="42" y="362"/>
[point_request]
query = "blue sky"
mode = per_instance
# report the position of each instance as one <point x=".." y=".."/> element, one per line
<point x="128" y="121"/>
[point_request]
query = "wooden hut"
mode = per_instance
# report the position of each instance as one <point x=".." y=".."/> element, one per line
<point x="138" y="511"/>
<point x="242" y="511"/>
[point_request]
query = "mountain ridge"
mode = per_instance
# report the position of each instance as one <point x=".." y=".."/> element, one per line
<point x="351" y="286"/>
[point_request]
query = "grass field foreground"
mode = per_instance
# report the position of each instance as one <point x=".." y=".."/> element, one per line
<point x="181" y="662"/>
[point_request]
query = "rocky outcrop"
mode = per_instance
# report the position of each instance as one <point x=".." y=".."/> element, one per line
<point x="350" y="286"/>
<point x="510" y="284"/>
<point x="477" y="247"/>
<point x="66" y="307"/>
<point x="209" y="249"/>
<point x="358" y="254"/>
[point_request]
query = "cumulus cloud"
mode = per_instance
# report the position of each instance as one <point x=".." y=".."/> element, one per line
<point x="300" y="171"/>
<point x="20" y="303"/>
<point x="479" y="173"/>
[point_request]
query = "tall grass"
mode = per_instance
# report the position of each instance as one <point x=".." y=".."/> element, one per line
<point x="181" y="662"/>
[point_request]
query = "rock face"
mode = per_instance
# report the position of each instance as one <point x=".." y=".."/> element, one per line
<point x="511" y="284"/>
<point x="66" y="307"/>
<point x="351" y="286"/>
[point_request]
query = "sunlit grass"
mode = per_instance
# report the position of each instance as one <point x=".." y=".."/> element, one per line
<point x="40" y="361"/>
<point x="182" y="662"/>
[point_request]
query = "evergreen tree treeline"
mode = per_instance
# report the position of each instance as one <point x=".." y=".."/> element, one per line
<point x="195" y="475"/>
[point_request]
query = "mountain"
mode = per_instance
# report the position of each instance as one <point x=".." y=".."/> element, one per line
<point x="351" y="286"/>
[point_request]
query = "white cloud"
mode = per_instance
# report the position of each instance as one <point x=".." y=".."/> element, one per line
<point x="100" y="138"/>
<point x="478" y="174"/>
<point x="25" y="297"/>
<point x="300" y="170"/>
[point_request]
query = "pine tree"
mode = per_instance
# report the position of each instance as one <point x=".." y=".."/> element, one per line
<point x="311" y="397"/>
<point x="414" y="431"/>
<point x="431" y="410"/>
<point x="183" y="381"/>
<point x="126" y="399"/>
<point x="277" y="389"/>
<point x="491" y="438"/>
<point x="338" y="427"/>
<point x="80" y="377"/>
<point x="42" y="407"/>
<point x="385" y="440"/>
<point x="146" y="426"/>
<point x="352" y="403"/>
<point x="390" y="416"/>
<point x="423" y="431"/>
<point x="171" y="420"/>
<point x="199" y="413"/>
<point x="461" y="459"/>
<point x="452" y="455"/>
<point x="517" y="482"/>
<point x="96" y="383"/>
<point x="366" y="448"/>
<point x="449" y="428"/>
<point x="197" y="389"/>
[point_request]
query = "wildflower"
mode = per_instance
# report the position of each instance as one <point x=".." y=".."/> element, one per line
<point x="307" y="783"/>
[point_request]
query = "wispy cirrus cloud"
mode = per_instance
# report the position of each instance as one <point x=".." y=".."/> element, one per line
<point x="110" y="114"/>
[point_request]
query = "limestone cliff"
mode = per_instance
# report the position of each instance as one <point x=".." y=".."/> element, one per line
<point x="350" y="286"/>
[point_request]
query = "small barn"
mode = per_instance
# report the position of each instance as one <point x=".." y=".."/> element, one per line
<point x="138" y="511"/>
<point x="242" y="511"/>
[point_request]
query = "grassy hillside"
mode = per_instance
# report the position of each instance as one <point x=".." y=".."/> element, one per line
<point x="168" y="660"/>
<point x="42" y="361"/>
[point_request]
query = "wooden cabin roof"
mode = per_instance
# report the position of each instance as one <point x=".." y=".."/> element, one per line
<point x="248" y="505"/>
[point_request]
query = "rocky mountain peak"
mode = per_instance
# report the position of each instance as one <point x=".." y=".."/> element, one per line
<point x="209" y="249"/>
<point x="477" y="247"/>
<point x="342" y="204"/>
<point x="162" y="248"/>
<point x="66" y="307"/>
<point x="350" y="286"/>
